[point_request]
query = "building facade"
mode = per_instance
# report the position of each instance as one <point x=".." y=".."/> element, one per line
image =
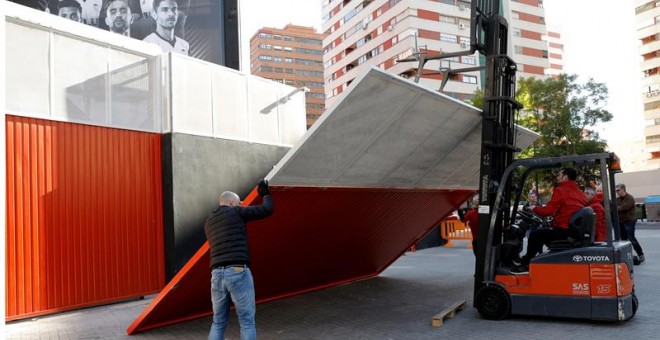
<point x="555" y="54"/>
<point x="292" y="56"/>
<point x="381" y="32"/>
<point x="528" y="33"/>
<point x="647" y="15"/>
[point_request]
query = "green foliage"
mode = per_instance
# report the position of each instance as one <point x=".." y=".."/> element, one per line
<point x="564" y="113"/>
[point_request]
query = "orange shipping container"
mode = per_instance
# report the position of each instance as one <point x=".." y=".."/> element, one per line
<point x="84" y="221"/>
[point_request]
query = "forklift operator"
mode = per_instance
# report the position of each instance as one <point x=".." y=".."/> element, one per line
<point x="567" y="199"/>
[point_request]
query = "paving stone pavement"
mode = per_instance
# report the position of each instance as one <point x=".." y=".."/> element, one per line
<point x="398" y="304"/>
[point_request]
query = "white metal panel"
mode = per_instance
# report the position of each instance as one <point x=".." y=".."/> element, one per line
<point x="263" y="102"/>
<point x="61" y="70"/>
<point x="389" y="132"/>
<point x="291" y="127"/>
<point x="133" y="91"/>
<point x="79" y="80"/>
<point x="192" y="104"/>
<point x="27" y="57"/>
<point x="230" y="104"/>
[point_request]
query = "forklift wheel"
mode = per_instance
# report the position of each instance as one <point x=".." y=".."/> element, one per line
<point x="635" y="304"/>
<point x="493" y="302"/>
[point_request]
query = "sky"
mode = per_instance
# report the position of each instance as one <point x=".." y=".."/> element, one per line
<point x="599" y="42"/>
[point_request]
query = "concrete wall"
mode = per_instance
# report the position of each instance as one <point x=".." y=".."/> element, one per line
<point x="195" y="171"/>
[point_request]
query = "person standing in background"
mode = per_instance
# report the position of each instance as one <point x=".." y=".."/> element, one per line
<point x="625" y="207"/>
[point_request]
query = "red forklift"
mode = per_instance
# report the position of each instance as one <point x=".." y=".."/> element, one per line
<point x="575" y="278"/>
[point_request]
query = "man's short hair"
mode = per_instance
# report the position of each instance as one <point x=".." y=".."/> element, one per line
<point x="570" y="173"/>
<point x="69" y="3"/>
<point x="621" y="186"/>
<point x="157" y="2"/>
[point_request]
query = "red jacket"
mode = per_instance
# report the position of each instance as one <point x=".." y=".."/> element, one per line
<point x="596" y="204"/>
<point x="472" y="219"/>
<point x="566" y="200"/>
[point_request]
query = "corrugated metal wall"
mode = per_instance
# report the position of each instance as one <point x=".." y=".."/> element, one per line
<point x="84" y="216"/>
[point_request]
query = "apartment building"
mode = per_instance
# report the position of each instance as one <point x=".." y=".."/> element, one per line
<point x="380" y="32"/>
<point x="647" y="15"/>
<point x="555" y="54"/>
<point x="527" y="29"/>
<point x="292" y="56"/>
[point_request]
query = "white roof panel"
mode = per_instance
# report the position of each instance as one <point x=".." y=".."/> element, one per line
<point x="389" y="132"/>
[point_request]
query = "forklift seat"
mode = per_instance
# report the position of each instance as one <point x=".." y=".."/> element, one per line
<point x="581" y="230"/>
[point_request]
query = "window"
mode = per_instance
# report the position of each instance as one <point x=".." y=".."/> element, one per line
<point x="545" y="54"/>
<point x="469" y="79"/>
<point x="448" y="38"/>
<point x="449" y="20"/>
<point x="469" y="60"/>
<point x="266" y="69"/>
<point x="288" y="49"/>
<point x="277" y="59"/>
<point x="277" y="48"/>
<point x="515" y="15"/>
<point x="265" y="57"/>
<point x="264" y="35"/>
<point x="288" y="60"/>
<point x="448" y="2"/>
<point x="264" y="46"/>
<point x="518" y="49"/>
<point x="516" y="32"/>
<point x="465" y="40"/>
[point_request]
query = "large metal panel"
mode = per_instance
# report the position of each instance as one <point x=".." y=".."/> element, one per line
<point x="378" y="170"/>
<point x="84" y="216"/>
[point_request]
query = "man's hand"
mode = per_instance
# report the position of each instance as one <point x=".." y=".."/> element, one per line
<point x="262" y="188"/>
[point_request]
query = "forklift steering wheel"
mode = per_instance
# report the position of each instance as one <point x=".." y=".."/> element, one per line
<point x="529" y="217"/>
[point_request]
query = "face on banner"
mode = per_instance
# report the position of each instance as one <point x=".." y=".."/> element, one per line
<point x="166" y="14"/>
<point x="118" y="16"/>
<point x="167" y="20"/>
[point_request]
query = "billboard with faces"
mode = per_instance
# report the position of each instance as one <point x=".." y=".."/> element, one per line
<point x="204" y="29"/>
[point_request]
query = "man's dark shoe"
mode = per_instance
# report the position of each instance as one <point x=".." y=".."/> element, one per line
<point x="519" y="270"/>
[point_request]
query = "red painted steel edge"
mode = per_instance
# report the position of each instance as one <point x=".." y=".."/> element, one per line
<point x="84" y="216"/>
<point x="316" y="238"/>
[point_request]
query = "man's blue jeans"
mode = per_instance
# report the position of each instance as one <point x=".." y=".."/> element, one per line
<point x="235" y="284"/>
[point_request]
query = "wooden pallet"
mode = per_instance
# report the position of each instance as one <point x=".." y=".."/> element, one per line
<point x="448" y="312"/>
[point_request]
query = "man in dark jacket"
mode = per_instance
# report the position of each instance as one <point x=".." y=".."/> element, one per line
<point x="566" y="200"/>
<point x="625" y="207"/>
<point x="231" y="279"/>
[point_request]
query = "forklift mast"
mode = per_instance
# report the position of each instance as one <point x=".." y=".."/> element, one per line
<point x="489" y="36"/>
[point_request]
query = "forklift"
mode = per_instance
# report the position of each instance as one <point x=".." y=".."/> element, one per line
<point x="576" y="278"/>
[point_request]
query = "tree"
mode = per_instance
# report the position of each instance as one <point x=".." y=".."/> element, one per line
<point x="564" y="113"/>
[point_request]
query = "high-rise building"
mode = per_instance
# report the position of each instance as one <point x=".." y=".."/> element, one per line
<point x="647" y="15"/>
<point x="292" y="56"/>
<point x="555" y="54"/>
<point x="527" y="30"/>
<point x="380" y="32"/>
